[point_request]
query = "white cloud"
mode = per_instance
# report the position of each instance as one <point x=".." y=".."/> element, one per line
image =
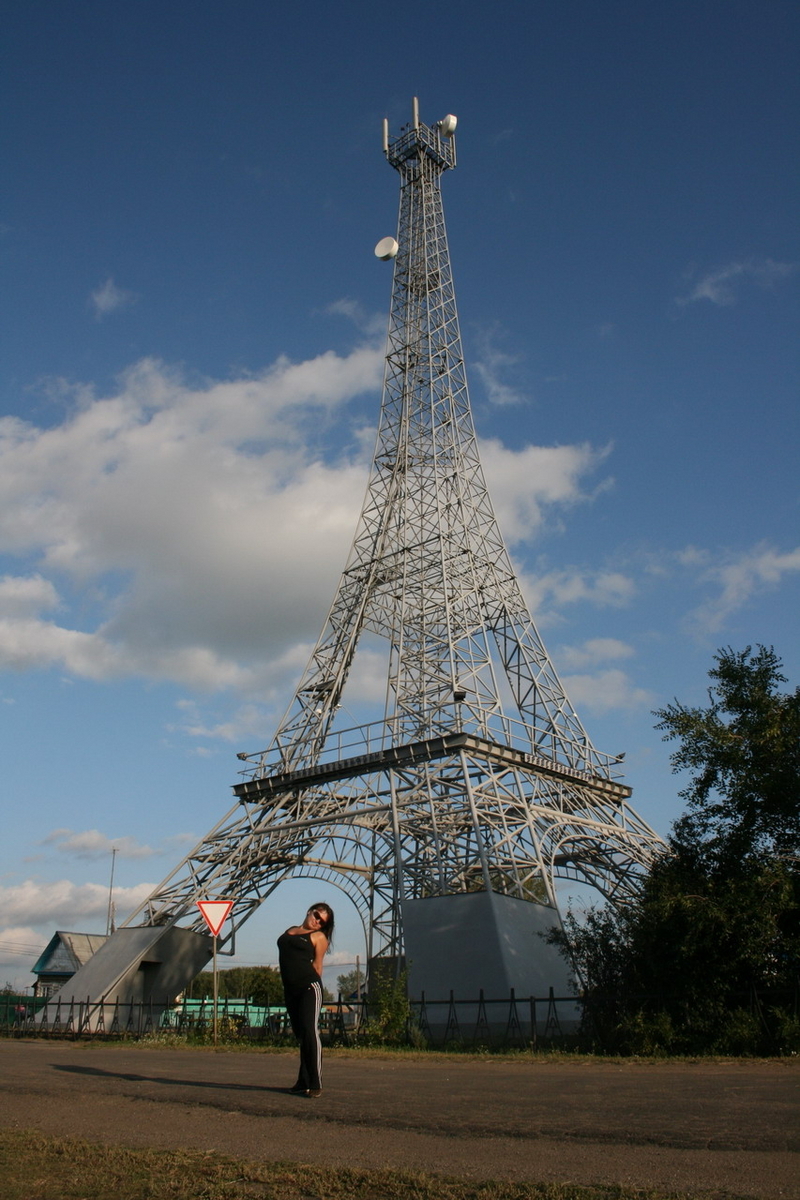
<point x="91" y="843"/>
<point x="20" y="947"/>
<point x="371" y="324"/>
<point x="199" y="515"/>
<point x="65" y="905"/>
<point x="196" y="532"/>
<point x="244" y="725"/>
<point x="492" y="366"/>
<point x="605" y="691"/>
<point x="34" y="644"/>
<point x="721" y="285"/>
<point x="550" y="591"/>
<point x="692" y="556"/>
<point x="342" y="958"/>
<point x="599" y="691"/>
<point x="107" y="298"/>
<point x="739" y="579"/>
<point x="21" y="596"/>
<point x="523" y="483"/>
<point x="592" y="652"/>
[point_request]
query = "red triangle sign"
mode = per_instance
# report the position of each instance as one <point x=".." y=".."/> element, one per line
<point x="214" y="913"/>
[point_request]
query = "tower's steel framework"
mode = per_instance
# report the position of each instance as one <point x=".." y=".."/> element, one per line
<point x="479" y="775"/>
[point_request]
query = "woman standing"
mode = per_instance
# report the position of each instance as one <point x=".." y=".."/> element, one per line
<point x="302" y="949"/>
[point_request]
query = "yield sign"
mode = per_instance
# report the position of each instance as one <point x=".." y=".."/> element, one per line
<point x="214" y="913"/>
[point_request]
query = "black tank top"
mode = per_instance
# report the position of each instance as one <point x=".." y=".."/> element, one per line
<point x="296" y="958"/>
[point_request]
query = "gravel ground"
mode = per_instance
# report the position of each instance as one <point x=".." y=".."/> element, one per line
<point x="732" y="1128"/>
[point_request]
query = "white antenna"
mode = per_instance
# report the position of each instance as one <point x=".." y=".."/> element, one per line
<point x="386" y="248"/>
<point x="385" y="135"/>
<point x="415" y="112"/>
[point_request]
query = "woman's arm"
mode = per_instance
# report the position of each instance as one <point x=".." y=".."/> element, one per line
<point x="320" y="944"/>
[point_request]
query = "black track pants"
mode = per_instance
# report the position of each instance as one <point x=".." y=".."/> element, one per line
<point x="304" y="1009"/>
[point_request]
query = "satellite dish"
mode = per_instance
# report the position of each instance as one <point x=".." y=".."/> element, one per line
<point x="447" y="125"/>
<point x="386" y="248"/>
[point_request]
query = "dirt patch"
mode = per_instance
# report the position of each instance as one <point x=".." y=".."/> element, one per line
<point x="731" y="1128"/>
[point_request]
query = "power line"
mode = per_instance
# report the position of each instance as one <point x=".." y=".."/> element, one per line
<point x="20" y="948"/>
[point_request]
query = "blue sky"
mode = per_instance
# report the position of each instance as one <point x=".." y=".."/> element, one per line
<point x="192" y="327"/>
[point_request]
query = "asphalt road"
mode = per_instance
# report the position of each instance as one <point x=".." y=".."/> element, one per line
<point x="732" y="1128"/>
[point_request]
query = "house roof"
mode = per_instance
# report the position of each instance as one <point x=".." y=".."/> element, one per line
<point x="66" y="952"/>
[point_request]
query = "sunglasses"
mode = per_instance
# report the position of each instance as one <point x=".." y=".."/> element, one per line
<point x="318" y="915"/>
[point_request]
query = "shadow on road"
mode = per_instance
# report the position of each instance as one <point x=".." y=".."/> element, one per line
<point x="193" y="1083"/>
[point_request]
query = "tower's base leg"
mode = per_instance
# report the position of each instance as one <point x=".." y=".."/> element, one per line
<point x="149" y="965"/>
<point x="477" y="942"/>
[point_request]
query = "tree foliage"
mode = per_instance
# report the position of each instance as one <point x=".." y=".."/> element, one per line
<point x="707" y="958"/>
<point x="744" y="752"/>
<point x="260" y="985"/>
<point x="351" y="982"/>
<point x="701" y="962"/>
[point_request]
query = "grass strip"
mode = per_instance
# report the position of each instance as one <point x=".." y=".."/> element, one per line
<point x="35" y="1167"/>
<point x="523" y="1056"/>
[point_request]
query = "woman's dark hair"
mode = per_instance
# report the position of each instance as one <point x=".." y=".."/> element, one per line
<point x="327" y="928"/>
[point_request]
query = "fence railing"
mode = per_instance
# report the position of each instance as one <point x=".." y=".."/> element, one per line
<point x="513" y="1021"/>
<point x="508" y="1020"/>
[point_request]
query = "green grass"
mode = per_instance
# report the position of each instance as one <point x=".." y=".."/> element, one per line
<point x="521" y="1055"/>
<point x="34" y="1167"/>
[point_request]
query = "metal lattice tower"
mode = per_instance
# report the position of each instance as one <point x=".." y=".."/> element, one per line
<point x="478" y="774"/>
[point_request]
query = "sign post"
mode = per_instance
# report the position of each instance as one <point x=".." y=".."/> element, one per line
<point x="214" y="913"/>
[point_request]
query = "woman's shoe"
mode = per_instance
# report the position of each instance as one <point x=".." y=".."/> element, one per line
<point x="314" y="1093"/>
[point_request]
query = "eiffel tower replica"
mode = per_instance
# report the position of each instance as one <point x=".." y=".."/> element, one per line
<point x="477" y="787"/>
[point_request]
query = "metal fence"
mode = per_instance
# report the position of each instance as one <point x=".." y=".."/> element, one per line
<point x="506" y="1021"/>
<point x="532" y="1022"/>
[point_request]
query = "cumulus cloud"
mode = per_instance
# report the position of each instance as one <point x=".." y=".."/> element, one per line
<point x="492" y="366"/>
<point x="738" y="579"/>
<point x="194" y="532"/>
<point x="341" y="958"/>
<point x="371" y="324"/>
<point x="91" y="843"/>
<point x="595" y="687"/>
<point x="20" y="945"/>
<point x="64" y="904"/>
<point x="606" y="691"/>
<point x="721" y="285"/>
<point x="32" y="644"/>
<point x="23" y="596"/>
<point x="551" y="591"/>
<point x="202" y="519"/>
<point x="108" y="298"/>
<point x="592" y="652"/>
<point x="525" y="483"/>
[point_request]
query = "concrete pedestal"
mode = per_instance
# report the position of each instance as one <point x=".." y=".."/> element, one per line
<point x="482" y="941"/>
<point x="148" y="965"/>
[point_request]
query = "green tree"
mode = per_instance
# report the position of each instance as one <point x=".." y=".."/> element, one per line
<point x="707" y="957"/>
<point x="390" y="1009"/>
<point x="702" y="961"/>
<point x="351" y="982"/>
<point x="261" y="985"/>
<point x="744" y="752"/>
